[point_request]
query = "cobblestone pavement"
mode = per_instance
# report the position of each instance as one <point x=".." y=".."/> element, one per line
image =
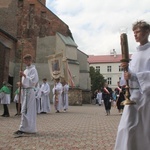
<point x="81" y="128"/>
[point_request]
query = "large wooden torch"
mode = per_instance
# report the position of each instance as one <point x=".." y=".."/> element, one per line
<point x="125" y="58"/>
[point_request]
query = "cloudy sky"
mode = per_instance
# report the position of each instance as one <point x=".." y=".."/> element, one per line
<point x="96" y="24"/>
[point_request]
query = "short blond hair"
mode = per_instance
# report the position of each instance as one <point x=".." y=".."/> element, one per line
<point x="27" y="57"/>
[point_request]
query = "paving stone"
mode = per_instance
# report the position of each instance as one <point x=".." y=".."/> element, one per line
<point x="81" y="128"/>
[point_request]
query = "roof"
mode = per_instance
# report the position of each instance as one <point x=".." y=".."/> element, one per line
<point x="83" y="52"/>
<point x="104" y="58"/>
<point x="67" y="40"/>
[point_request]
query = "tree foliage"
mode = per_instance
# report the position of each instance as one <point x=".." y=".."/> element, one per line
<point x="97" y="79"/>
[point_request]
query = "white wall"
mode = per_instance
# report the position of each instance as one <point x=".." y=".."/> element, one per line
<point x="114" y="74"/>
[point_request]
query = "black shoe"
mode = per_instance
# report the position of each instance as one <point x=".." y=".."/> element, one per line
<point x="18" y="133"/>
<point x="57" y="111"/>
<point x="43" y="112"/>
<point x="17" y="114"/>
<point x="6" y="115"/>
<point x="2" y="115"/>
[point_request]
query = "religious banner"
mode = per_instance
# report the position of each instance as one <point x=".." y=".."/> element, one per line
<point x="55" y="65"/>
<point x="58" y="66"/>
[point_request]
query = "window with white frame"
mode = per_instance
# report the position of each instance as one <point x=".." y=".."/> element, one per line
<point x="109" y="80"/>
<point x="108" y="68"/>
<point x="98" y="68"/>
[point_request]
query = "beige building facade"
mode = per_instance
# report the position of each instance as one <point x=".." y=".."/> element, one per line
<point x="108" y="66"/>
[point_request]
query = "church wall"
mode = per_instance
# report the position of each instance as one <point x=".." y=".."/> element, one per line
<point x="71" y="52"/>
<point x="60" y="46"/>
<point x="33" y="24"/>
<point x="7" y="57"/>
<point x="82" y="58"/>
<point x="2" y="51"/>
<point x="28" y="19"/>
<point x="8" y="16"/>
<point x="43" y="2"/>
<point x="9" y="43"/>
<point x="84" y="81"/>
<point x="86" y="97"/>
<point x="75" y="97"/>
<point x="45" y="47"/>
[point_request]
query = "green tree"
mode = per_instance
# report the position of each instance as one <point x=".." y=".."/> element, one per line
<point x="97" y="79"/>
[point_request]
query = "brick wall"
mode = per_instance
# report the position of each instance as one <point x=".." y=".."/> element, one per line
<point x="2" y="50"/>
<point x="75" y="97"/>
<point x="86" y="96"/>
<point x="43" y="2"/>
<point x="4" y="63"/>
<point x="8" y="19"/>
<point x="27" y="20"/>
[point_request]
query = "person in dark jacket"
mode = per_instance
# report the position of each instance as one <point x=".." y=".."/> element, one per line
<point x="107" y="97"/>
<point x="120" y="91"/>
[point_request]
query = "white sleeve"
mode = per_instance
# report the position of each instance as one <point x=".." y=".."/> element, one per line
<point x="30" y="79"/>
<point x="143" y="79"/>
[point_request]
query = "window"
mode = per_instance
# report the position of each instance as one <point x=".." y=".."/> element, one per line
<point x="109" y="80"/>
<point x="43" y="14"/>
<point x="120" y="69"/>
<point x="20" y="3"/>
<point x="98" y="68"/>
<point x="32" y="7"/>
<point x="108" y="68"/>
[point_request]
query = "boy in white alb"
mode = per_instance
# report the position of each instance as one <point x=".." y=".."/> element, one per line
<point x="28" y="110"/>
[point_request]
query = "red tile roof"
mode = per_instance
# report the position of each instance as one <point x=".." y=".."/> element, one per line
<point x="104" y="58"/>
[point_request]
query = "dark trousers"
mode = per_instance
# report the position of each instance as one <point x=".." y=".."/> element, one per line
<point x="6" y="111"/>
<point x="107" y="104"/>
<point x="17" y="107"/>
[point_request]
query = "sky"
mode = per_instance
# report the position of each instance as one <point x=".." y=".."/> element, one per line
<point x="96" y="24"/>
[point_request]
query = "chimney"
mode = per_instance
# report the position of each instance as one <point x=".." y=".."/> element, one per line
<point x="114" y="52"/>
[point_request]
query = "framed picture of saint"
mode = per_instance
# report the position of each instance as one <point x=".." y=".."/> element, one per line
<point x="55" y="66"/>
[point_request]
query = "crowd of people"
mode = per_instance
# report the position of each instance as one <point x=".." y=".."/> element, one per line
<point x="32" y="99"/>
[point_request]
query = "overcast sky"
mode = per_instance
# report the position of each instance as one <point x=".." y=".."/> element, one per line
<point x="95" y="24"/>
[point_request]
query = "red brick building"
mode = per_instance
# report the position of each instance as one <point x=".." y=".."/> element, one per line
<point x="24" y="21"/>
